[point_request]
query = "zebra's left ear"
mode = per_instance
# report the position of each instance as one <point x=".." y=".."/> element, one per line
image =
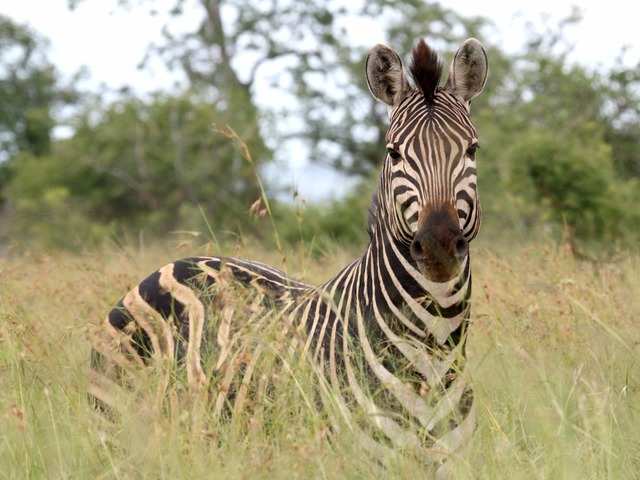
<point x="469" y="70"/>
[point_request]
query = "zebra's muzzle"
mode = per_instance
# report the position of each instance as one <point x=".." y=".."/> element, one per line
<point x="439" y="247"/>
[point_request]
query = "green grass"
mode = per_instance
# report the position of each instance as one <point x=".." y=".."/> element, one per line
<point x="554" y="355"/>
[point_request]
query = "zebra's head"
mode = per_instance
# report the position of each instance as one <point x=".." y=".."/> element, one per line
<point x="427" y="196"/>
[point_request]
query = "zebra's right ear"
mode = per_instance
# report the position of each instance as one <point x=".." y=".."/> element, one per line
<point x="385" y="76"/>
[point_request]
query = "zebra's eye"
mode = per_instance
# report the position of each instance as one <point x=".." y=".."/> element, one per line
<point x="393" y="154"/>
<point x="471" y="151"/>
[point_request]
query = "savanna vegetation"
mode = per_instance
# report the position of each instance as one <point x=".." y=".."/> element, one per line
<point x="138" y="180"/>
<point x="559" y="142"/>
<point x="554" y="354"/>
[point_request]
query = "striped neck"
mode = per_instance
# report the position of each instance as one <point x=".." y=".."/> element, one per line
<point x="385" y="281"/>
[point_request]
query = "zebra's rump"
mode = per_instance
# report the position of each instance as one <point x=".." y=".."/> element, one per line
<point x="165" y="315"/>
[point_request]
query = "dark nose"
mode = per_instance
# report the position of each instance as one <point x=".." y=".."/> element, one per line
<point x="439" y="240"/>
<point x="422" y="245"/>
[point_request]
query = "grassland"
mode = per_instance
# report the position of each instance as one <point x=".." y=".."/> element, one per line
<point x="554" y="356"/>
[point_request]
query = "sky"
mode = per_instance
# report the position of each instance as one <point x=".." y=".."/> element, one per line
<point x="110" y="43"/>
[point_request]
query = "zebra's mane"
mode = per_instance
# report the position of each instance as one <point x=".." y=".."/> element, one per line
<point x="425" y="69"/>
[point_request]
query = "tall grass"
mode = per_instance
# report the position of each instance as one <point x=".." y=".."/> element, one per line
<point x="554" y="355"/>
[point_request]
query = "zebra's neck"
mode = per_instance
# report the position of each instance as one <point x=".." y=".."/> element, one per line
<point x="385" y="281"/>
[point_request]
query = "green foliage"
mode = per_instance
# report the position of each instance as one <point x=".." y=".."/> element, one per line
<point x="623" y="117"/>
<point x="560" y="149"/>
<point x="29" y="94"/>
<point x="27" y="91"/>
<point x="574" y="178"/>
<point x="554" y="148"/>
<point x="132" y="165"/>
<point x="339" y="222"/>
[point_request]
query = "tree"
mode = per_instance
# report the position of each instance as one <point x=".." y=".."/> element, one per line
<point x="28" y="91"/>
<point x="573" y="177"/>
<point x="150" y="163"/>
<point x="132" y="165"/>
<point x="29" y="94"/>
<point x="558" y="153"/>
<point x="321" y="82"/>
<point x="622" y="113"/>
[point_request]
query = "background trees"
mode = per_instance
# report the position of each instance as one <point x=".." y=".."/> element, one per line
<point x="27" y="95"/>
<point x="560" y="143"/>
<point x="132" y="165"/>
<point x="28" y="91"/>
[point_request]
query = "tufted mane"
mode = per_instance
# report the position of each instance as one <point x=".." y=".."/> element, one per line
<point x="425" y="69"/>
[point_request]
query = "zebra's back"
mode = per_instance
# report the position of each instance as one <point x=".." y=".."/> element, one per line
<point x="168" y="314"/>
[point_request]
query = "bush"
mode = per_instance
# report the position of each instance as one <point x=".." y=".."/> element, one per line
<point x="129" y="166"/>
<point x="573" y="180"/>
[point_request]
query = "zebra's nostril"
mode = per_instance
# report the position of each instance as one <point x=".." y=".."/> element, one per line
<point x="461" y="247"/>
<point x="417" y="251"/>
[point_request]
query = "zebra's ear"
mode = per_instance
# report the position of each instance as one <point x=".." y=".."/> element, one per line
<point x="469" y="70"/>
<point x="385" y="76"/>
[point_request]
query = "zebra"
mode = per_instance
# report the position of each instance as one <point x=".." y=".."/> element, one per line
<point x="403" y="305"/>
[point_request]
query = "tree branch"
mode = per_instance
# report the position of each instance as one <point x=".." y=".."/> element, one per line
<point x="212" y="8"/>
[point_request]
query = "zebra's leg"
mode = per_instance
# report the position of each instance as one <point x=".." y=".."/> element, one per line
<point x="113" y="356"/>
<point x="132" y="335"/>
<point x="194" y="312"/>
<point x="157" y="329"/>
<point x="140" y="330"/>
<point x="458" y="439"/>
